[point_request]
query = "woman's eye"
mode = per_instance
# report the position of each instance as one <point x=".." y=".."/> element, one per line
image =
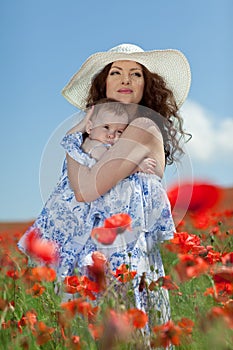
<point x="114" y="72"/>
<point x="119" y="132"/>
<point x="106" y="127"/>
<point x="137" y="74"/>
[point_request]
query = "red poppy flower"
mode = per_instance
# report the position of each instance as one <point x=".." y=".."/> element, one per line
<point x="97" y="269"/>
<point x="223" y="274"/>
<point x="104" y="235"/>
<point x="114" y="225"/>
<point x="123" y="274"/>
<point x="84" y="308"/>
<point x="41" y="249"/>
<point x="42" y="273"/>
<point x="227" y="258"/>
<point x="43" y="333"/>
<point x="186" y="324"/>
<point x="171" y="333"/>
<point x="14" y="274"/>
<point x="81" y="306"/>
<point x="71" y="283"/>
<point x="29" y="319"/>
<point x="190" y="266"/>
<point x="82" y="285"/>
<point x="165" y="282"/>
<point x="71" y="306"/>
<point x="75" y="343"/>
<point x="225" y="313"/>
<point x="96" y="330"/>
<point x="221" y="292"/>
<point x="212" y="257"/>
<point x="167" y="334"/>
<point x="194" y="197"/>
<point x="36" y="290"/>
<point x="117" y="327"/>
<point x="121" y="222"/>
<point x="137" y="318"/>
<point x="183" y="242"/>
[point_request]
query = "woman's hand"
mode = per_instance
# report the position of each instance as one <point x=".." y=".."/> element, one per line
<point x="81" y="126"/>
<point x="147" y="166"/>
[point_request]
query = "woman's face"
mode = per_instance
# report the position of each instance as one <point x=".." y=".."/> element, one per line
<point x="125" y="82"/>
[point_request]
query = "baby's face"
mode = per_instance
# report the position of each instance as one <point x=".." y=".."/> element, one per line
<point x="108" y="127"/>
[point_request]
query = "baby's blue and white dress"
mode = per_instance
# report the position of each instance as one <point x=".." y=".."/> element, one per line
<point x="69" y="223"/>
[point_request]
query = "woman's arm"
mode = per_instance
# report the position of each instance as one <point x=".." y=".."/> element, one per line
<point x="140" y="139"/>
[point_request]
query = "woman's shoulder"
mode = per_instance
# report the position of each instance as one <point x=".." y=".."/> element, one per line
<point x="146" y="126"/>
<point x="143" y="122"/>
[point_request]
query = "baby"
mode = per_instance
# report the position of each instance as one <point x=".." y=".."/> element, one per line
<point x="107" y="123"/>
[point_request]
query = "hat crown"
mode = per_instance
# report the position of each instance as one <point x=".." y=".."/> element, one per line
<point x="126" y="48"/>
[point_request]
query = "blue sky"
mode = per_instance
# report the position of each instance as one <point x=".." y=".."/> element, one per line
<point x="43" y="43"/>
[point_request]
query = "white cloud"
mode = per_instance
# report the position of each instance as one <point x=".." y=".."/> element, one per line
<point x="212" y="137"/>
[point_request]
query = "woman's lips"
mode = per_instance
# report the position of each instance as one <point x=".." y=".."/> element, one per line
<point x="125" y="91"/>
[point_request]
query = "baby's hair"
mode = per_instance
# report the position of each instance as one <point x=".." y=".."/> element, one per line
<point x="109" y="105"/>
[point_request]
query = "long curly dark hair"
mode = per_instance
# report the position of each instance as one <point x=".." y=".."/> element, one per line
<point x="158" y="97"/>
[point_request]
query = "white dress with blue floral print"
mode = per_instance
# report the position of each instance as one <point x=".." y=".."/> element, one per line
<point x="70" y="223"/>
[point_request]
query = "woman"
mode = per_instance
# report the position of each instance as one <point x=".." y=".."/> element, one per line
<point x="64" y="220"/>
<point x="160" y="81"/>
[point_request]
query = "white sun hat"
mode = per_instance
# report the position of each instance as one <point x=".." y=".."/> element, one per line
<point x="170" y="64"/>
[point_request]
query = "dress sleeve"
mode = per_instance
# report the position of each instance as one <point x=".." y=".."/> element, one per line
<point x="72" y="144"/>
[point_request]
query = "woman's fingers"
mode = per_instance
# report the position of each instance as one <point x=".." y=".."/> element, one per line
<point x="148" y="165"/>
<point x="89" y="113"/>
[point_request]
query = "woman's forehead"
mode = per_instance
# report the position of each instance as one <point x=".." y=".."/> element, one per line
<point x="126" y="63"/>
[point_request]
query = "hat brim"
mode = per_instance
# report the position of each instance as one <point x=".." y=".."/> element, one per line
<point x="170" y="64"/>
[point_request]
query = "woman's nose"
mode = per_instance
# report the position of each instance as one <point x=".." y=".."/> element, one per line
<point x="125" y="79"/>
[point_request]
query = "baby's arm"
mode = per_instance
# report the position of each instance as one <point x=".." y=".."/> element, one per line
<point x="147" y="166"/>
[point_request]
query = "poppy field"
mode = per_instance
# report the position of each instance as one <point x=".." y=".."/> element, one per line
<point x="37" y="311"/>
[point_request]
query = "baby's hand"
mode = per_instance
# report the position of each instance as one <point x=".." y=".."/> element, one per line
<point x="147" y="166"/>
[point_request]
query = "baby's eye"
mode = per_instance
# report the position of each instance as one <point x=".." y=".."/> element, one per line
<point x="106" y="127"/>
<point x="119" y="132"/>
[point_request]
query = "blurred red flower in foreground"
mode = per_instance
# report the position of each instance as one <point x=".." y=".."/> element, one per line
<point x="223" y="284"/>
<point x="190" y="266"/>
<point x="194" y="197"/>
<point x="79" y="305"/>
<point x="29" y="319"/>
<point x="225" y="313"/>
<point x="40" y="248"/>
<point x="118" y="326"/>
<point x="96" y="330"/>
<point x="171" y="333"/>
<point x="137" y="318"/>
<point x="36" y="290"/>
<point x="104" y="235"/>
<point x="97" y="270"/>
<point x="41" y="273"/>
<point x="114" y="225"/>
<point x="121" y="222"/>
<point x="43" y="333"/>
